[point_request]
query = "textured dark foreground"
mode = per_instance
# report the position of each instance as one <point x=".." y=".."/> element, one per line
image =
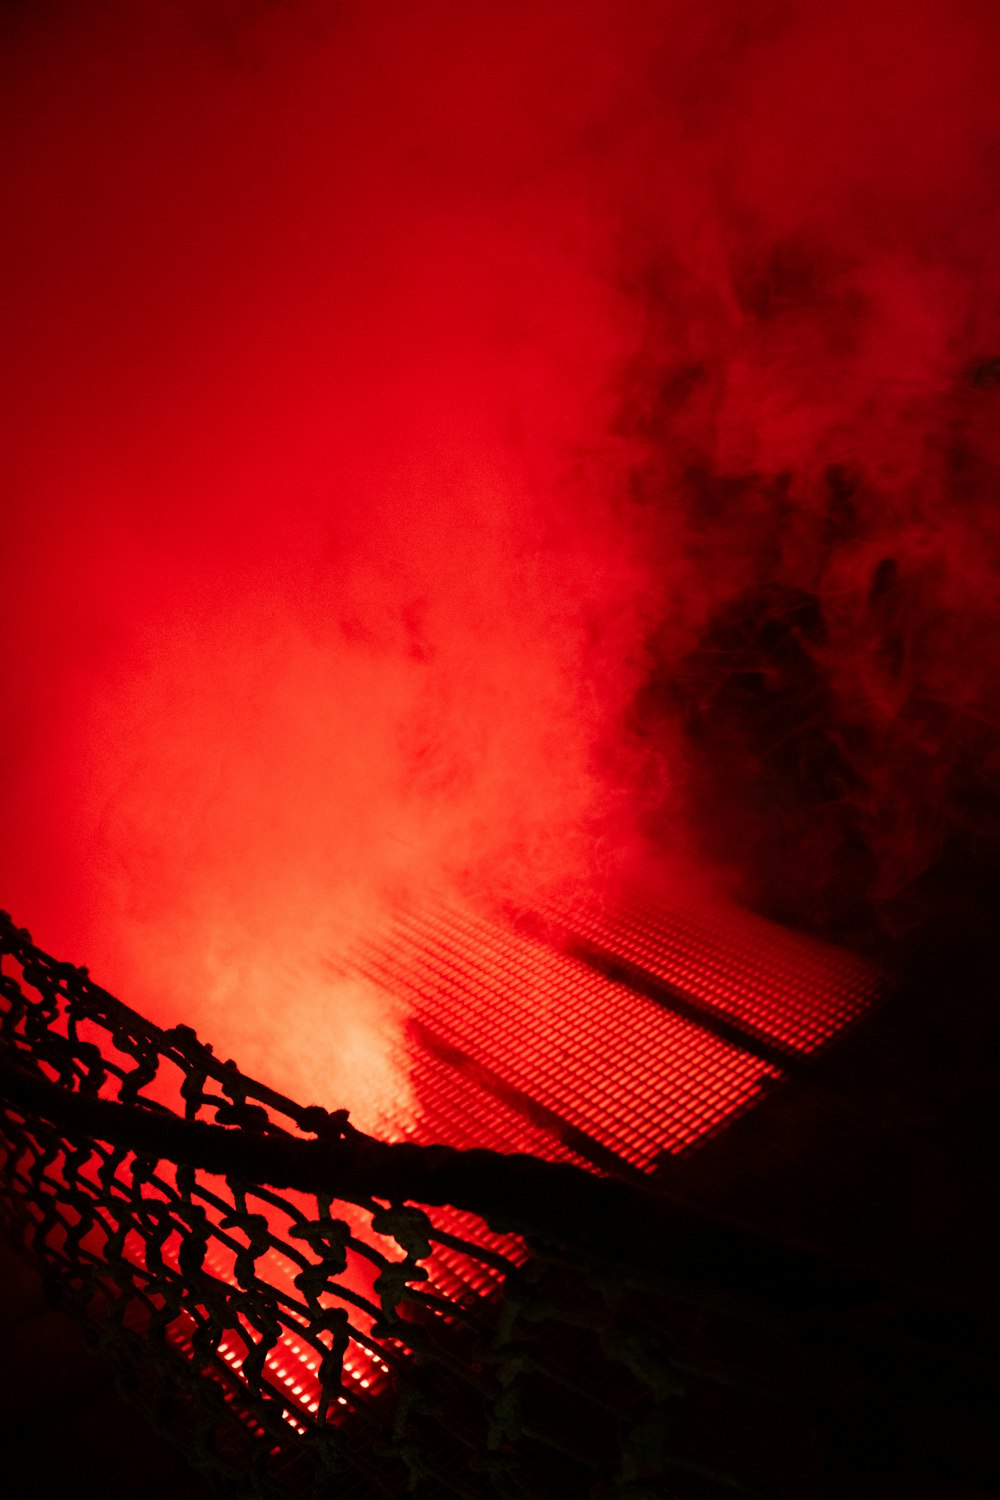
<point x="806" y="1306"/>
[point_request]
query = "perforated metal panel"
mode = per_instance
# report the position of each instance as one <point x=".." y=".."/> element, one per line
<point x="517" y="1045"/>
<point x="777" y="984"/>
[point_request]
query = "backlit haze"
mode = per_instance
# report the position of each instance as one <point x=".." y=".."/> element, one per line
<point x="483" y="446"/>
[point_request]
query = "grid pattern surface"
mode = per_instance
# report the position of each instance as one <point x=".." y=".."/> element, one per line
<point x="614" y="1066"/>
<point x="790" y="989"/>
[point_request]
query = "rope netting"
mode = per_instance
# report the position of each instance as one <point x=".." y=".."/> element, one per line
<point x="312" y="1311"/>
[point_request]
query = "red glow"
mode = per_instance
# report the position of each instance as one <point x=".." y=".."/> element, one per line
<point x="779" y="985"/>
<point x="314" y="629"/>
<point x="638" y="1080"/>
<point x="399" y="401"/>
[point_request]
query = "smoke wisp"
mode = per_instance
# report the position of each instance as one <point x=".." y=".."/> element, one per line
<point x="477" y="444"/>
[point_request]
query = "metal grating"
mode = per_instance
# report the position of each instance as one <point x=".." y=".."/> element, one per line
<point x="626" y="1075"/>
<point x="787" y="988"/>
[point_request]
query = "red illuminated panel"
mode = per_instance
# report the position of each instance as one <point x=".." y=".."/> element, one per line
<point x="451" y="1113"/>
<point x="544" y="1027"/>
<point x="780" y="985"/>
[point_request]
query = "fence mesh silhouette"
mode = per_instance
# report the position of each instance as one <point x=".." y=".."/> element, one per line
<point x="312" y="1311"/>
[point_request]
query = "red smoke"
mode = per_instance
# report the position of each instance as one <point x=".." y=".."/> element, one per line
<point x="445" y="442"/>
<point x="810" y="419"/>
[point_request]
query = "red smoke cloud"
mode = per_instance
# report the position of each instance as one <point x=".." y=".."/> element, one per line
<point x="448" y="442"/>
<point x="811" y="420"/>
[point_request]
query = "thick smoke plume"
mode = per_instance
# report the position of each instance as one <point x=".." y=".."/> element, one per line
<point x="475" y="444"/>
